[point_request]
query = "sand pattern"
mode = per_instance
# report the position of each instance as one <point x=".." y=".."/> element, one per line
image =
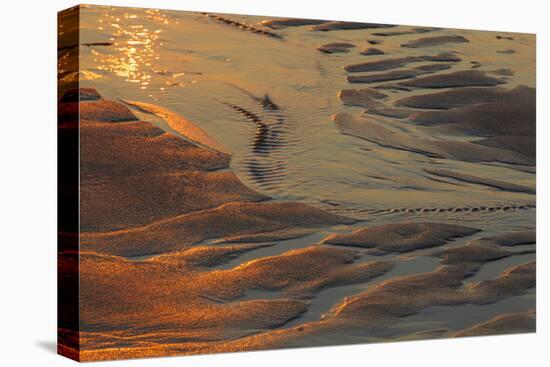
<point x="194" y="241"/>
<point x="196" y="308"/>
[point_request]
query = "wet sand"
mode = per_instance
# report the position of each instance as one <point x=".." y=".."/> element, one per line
<point x="198" y="308"/>
<point x="376" y="194"/>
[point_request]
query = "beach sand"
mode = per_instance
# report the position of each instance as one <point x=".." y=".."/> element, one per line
<point x="356" y="183"/>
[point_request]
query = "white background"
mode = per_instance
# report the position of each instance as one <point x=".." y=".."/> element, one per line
<point x="28" y="182"/>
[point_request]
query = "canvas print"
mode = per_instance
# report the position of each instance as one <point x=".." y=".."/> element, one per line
<point x="233" y="183"/>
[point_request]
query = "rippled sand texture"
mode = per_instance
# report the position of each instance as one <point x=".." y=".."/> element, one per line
<point x="254" y="183"/>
